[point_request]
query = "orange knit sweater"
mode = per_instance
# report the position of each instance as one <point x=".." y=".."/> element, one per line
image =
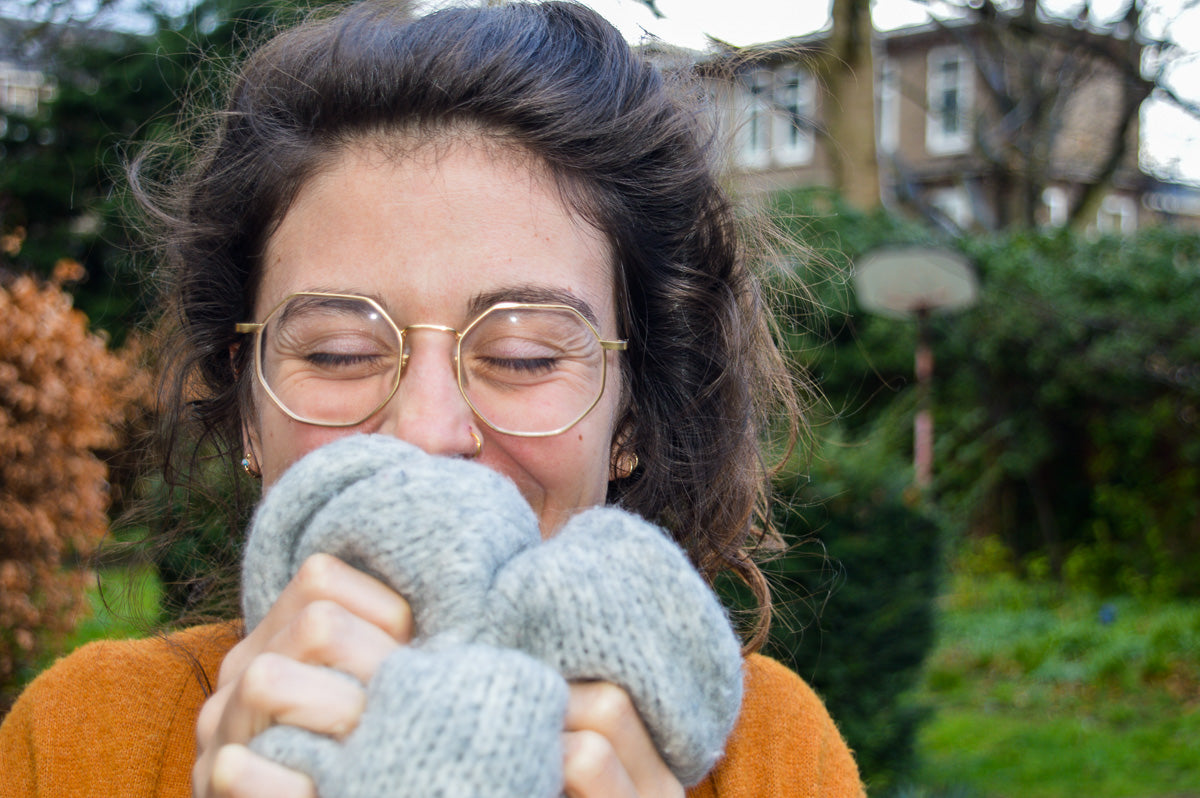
<point x="118" y="719"/>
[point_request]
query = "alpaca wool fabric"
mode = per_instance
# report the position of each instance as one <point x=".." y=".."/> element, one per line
<point x="503" y="621"/>
<point x="465" y="720"/>
<point x="436" y="529"/>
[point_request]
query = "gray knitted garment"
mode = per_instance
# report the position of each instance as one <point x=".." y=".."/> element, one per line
<point x="474" y="706"/>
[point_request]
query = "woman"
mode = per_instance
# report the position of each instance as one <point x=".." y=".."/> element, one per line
<point x="429" y="171"/>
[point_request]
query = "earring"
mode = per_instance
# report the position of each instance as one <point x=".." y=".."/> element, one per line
<point x="627" y="463"/>
<point x="478" y="443"/>
<point x="249" y="466"/>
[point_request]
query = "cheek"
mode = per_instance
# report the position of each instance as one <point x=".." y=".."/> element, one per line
<point x="558" y="476"/>
<point x="283" y="441"/>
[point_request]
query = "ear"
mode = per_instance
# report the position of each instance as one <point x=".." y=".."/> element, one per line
<point x="622" y="460"/>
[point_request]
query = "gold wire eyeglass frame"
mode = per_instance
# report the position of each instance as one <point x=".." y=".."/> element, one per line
<point x="256" y="328"/>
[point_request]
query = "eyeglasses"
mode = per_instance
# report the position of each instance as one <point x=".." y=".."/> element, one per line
<point x="334" y="360"/>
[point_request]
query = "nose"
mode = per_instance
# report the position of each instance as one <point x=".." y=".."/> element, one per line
<point x="428" y="410"/>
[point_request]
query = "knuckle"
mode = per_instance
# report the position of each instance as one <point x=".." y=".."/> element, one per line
<point x="610" y="706"/>
<point x="235" y="662"/>
<point x="258" y="680"/>
<point x="319" y="625"/>
<point x="316" y="575"/>
<point x="589" y="758"/>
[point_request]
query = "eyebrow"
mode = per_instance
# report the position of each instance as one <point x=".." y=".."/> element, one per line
<point x="532" y="294"/>
<point x="330" y="302"/>
<point x="535" y="295"/>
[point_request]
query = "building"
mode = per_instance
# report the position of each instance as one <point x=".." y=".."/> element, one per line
<point x="972" y="131"/>
<point x="24" y="85"/>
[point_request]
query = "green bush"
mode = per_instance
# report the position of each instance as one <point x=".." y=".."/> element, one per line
<point x="855" y="597"/>
<point x="1067" y="401"/>
<point x="1071" y="398"/>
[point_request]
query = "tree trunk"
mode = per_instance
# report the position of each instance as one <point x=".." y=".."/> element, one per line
<point x="846" y="74"/>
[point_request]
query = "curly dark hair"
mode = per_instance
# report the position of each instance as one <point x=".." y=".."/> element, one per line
<point x="631" y="152"/>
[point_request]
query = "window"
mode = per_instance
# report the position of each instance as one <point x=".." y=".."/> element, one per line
<point x="777" y="111"/>
<point x="949" y="101"/>
<point x="756" y="142"/>
<point x="1117" y="214"/>
<point x="889" y="108"/>
<point x="794" y="99"/>
<point x="20" y="89"/>
<point x="955" y="204"/>
<point x="1055" y="200"/>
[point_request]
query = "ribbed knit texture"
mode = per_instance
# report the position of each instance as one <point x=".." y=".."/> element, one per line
<point x="475" y="706"/>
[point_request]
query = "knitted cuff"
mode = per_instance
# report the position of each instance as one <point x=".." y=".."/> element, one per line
<point x="611" y="598"/>
<point x="458" y="720"/>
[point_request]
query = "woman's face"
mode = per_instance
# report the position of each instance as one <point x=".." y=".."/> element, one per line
<point x="432" y="235"/>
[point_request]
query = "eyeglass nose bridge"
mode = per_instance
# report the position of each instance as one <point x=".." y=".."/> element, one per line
<point x="403" y="331"/>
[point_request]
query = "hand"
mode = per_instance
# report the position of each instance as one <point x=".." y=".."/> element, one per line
<point x="329" y="615"/>
<point x="607" y="750"/>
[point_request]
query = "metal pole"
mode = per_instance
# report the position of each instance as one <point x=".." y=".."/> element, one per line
<point x="923" y="423"/>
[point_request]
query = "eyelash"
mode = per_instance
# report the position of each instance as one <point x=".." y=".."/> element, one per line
<point x="337" y="358"/>
<point x="523" y="364"/>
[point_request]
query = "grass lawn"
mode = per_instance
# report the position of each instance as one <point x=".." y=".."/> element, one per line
<point x="1039" y="693"/>
<point x="123" y="602"/>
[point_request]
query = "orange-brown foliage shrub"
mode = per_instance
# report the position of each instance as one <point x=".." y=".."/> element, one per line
<point x="63" y="398"/>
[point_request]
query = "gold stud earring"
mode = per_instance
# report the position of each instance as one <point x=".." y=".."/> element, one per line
<point x="249" y="466"/>
<point x="478" y="443"/>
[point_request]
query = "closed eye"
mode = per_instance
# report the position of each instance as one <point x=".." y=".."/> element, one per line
<point x="529" y="365"/>
<point x="334" y="359"/>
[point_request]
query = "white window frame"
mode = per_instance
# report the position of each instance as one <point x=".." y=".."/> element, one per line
<point x="940" y="139"/>
<point x="1117" y="214"/>
<point x="795" y="98"/>
<point x="754" y="139"/>
<point x="1057" y="207"/>
<point x="21" y="90"/>
<point x="888" y="134"/>
<point x="955" y="203"/>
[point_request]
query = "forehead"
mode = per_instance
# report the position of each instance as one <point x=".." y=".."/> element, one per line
<point x="431" y="226"/>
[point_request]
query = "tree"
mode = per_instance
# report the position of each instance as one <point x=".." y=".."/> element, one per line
<point x="62" y="181"/>
<point x="1062" y="96"/>
<point x="61" y="167"/>
<point x="845" y="68"/>
<point x="1068" y="397"/>
<point x="63" y="398"/>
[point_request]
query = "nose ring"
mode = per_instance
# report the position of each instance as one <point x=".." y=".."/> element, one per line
<point x="478" y="443"/>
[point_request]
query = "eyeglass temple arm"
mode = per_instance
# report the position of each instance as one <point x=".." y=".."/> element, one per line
<point x="249" y="327"/>
<point x="619" y="346"/>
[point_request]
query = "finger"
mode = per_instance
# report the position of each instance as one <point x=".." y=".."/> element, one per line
<point x="607" y="710"/>
<point x="591" y="768"/>
<point x="275" y="689"/>
<point x="324" y="577"/>
<point x="240" y="773"/>
<point x="326" y="633"/>
<point x="322" y="634"/>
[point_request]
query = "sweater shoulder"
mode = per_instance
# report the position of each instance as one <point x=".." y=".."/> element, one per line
<point x="118" y="710"/>
<point x="115" y="667"/>
<point x="784" y="743"/>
